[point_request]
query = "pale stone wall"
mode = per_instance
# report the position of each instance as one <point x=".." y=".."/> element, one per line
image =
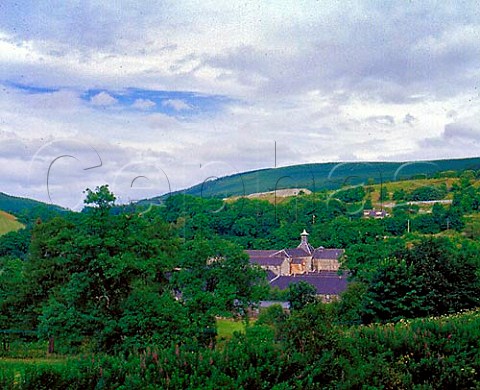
<point x="285" y="267"/>
<point x="326" y="265"/>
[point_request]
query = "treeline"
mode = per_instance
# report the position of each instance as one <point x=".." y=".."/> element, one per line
<point x="330" y="218"/>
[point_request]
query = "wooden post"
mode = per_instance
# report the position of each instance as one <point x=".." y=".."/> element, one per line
<point x="51" y="345"/>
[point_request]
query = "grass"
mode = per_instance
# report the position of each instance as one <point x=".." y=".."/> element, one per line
<point x="8" y="223"/>
<point x="323" y="176"/>
<point x="6" y="363"/>
<point x="15" y="368"/>
<point x="226" y="327"/>
<point x="410" y="185"/>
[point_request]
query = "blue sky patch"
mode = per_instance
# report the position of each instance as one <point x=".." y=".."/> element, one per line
<point x="179" y="104"/>
<point x="172" y="103"/>
<point x="30" y="88"/>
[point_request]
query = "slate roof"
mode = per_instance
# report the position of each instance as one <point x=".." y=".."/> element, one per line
<point x="297" y="252"/>
<point x="322" y="253"/>
<point x="375" y="213"/>
<point x="267" y="257"/>
<point x="270" y="275"/>
<point x="261" y="253"/>
<point x="267" y="261"/>
<point x="324" y="284"/>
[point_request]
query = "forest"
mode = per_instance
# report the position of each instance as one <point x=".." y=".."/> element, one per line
<point x="130" y="296"/>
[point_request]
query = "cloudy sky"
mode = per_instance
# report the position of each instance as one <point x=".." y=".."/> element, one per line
<point x="157" y="96"/>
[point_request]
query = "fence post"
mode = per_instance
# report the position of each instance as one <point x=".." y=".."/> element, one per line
<point x="51" y="345"/>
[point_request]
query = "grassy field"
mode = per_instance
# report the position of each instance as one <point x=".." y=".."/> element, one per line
<point x="410" y="185"/>
<point x="14" y="363"/>
<point x="226" y="327"/>
<point x="8" y="223"/>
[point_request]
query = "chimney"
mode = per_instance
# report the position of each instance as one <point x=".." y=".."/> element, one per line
<point x="304" y="238"/>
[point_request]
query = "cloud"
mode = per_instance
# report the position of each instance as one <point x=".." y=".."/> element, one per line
<point x="458" y="138"/>
<point x="177" y="104"/>
<point x="383" y="120"/>
<point x="464" y="130"/>
<point x="192" y="83"/>
<point x="103" y="99"/>
<point x="409" y="119"/>
<point x="143" y="104"/>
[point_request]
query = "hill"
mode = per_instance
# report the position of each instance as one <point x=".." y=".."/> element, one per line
<point x="323" y="176"/>
<point x="8" y="223"/>
<point x="27" y="209"/>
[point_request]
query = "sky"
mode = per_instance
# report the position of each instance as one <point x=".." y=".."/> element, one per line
<point x="155" y="96"/>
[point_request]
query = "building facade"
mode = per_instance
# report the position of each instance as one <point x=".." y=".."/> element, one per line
<point x="316" y="266"/>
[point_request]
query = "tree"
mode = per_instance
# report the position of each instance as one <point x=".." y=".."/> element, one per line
<point x="11" y="282"/>
<point x="434" y="277"/>
<point x="215" y="278"/>
<point x="383" y="193"/>
<point x="311" y="340"/>
<point x="16" y="243"/>
<point x="83" y="277"/>
<point x="349" y="308"/>
<point x="395" y="292"/>
<point x="368" y="204"/>
<point x="102" y="198"/>
<point x="351" y="194"/>
<point x="301" y="294"/>
<point x="399" y="195"/>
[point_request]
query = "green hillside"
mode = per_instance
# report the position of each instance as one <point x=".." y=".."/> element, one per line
<point x="28" y="209"/>
<point x="8" y="223"/>
<point x="325" y="176"/>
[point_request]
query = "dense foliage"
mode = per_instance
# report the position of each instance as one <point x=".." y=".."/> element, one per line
<point x="122" y="282"/>
<point x="313" y="353"/>
<point x="136" y="291"/>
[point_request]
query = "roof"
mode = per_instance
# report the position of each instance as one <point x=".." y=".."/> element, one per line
<point x="324" y="284"/>
<point x="333" y="254"/>
<point x="260" y="253"/>
<point x="275" y="257"/>
<point x="271" y="275"/>
<point x="297" y="252"/>
<point x="375" y="213"/>
<point x="267" y="261"/>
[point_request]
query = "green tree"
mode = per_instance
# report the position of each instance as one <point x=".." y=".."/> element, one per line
<point x="383" y="194"/>
<point x="81" y="275"/>
<point x="101" y="198"/>
<point x="351" y="194"/>
<point x="215" y="278"/>
<point x="434" y="277"/>
<point x="368" y="204"/>
<point x="399" y="195"/>
<point x="301" y="294"/>
<point x="11" y="282"/>
<point x="395" y="292"/>
<point x="16" y="243"/>
<point x="349" y="307"/>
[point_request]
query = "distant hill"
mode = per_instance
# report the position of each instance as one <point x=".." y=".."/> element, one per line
<point x="8" y="223"/>
<point x="27" y="209"/>
<point x="323" y="176"/>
